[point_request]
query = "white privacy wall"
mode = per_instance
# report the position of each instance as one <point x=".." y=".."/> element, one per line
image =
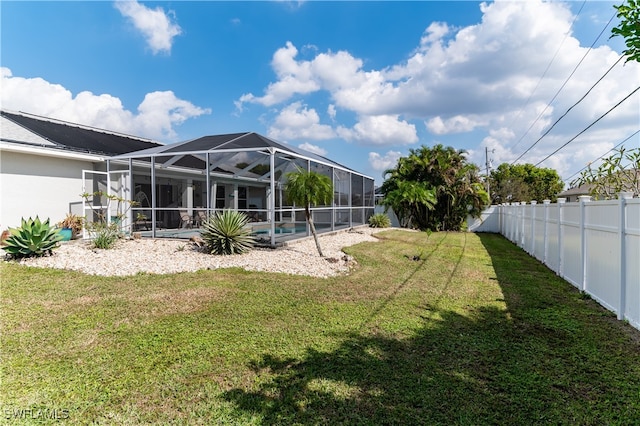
<point x="594" y="245"/>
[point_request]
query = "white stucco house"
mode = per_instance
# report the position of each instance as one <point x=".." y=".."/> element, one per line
<point x="41" y="164"/>
<point x="45" y="165"/>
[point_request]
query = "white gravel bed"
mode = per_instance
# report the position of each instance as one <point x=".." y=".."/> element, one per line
<point x="162" y="256"/>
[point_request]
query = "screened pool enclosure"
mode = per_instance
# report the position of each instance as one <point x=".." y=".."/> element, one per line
<point x="177" y="186"/>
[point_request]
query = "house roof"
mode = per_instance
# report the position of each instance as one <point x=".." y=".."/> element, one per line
<point x="630" y="178"/>
<point x="232" y="142"/>
<point x="11" y="131"/>
<point x="35" y="130"/>
<point x="31" y="130"/>
<point x="584" y="189"/>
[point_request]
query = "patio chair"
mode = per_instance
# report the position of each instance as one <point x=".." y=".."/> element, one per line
<point x="200" y="217"/>
<point x="185" y="220"/>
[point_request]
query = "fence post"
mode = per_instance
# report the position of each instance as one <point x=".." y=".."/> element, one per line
<point x="533" y="227"/>
<point x="622" y="197"/>
<point x="523" y="211"/>
<point x="561" y="202"/>
<point x="510" y="221"/>
<point x="583" y="241"/>
<point x="546" y="227"/>
<point x="514" y="223"/>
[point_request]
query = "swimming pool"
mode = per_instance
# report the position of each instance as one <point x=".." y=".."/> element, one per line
<point x="281" y="230"/>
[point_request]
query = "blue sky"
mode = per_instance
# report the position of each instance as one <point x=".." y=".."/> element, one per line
<point x="359" y="82"/>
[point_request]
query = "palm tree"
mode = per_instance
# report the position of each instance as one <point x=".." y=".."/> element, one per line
<point x="306" y="189"/>
<point x="434" y="188"/>
<point x="411" y="201"/>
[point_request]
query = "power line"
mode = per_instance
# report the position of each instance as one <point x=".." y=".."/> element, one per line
<point x="575" y="18"/>
<point x="570" y="108"/>
<point x="602" y="156"/>
<point x="566" y="81"/>
<point x="589" y="126"/>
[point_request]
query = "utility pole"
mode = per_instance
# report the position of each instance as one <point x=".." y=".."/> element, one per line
<point x="488" y="164"/>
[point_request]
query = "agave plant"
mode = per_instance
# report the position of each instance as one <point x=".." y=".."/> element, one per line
<point x="226" y="232"/>
<point x="32" y="238"/>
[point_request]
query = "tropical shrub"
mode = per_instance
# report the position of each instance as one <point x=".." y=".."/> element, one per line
<point x="379" y="220"/>
<point x="434" y="188"/>
<point x="411" y="201"/>
<point x="620" y="172"/>
<point x="33" y="238"/>
<point x="226" y="233"/>
<point x="73" y="222"/>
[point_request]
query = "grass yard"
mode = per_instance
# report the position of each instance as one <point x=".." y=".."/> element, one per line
<point x="451" y="328"/>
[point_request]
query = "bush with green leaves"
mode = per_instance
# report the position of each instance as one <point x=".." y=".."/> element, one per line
<point x="108" y="213"/>
<point x="105" y="235"/>
<point x="619" y="172"/>
<point x="32" y="239"/>
<point x="226" y="232"/>
<point x="379" y="220"/>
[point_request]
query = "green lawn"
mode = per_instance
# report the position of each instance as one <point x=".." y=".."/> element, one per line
<point x="473" y="332"/>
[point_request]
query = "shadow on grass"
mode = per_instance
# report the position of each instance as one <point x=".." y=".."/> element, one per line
<point x="420" y="263"/>
<point x="550" y="357"/>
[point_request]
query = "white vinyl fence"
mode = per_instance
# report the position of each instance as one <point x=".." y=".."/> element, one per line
<point x="594" y="245"/>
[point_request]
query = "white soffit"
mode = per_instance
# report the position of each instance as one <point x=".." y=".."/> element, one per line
<point x="48" y="152"/>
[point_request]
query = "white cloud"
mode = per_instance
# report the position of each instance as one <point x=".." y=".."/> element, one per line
<point x="331" y="110"/>
<point x="434" y="33"/>
<point x="161" y="111"/>
<point x="328" y="71"/>
<point x="313" y="148"/>
<point x="156" y="25"/>
<point x="156" y="118"/>
<point x="296" y="121"/>
<point x="483" y="78"/>
<point x="294" y="77"/>
<point x="380" y="130"/>
<point x="457" y="124"/>
<point x="384" y="162"/>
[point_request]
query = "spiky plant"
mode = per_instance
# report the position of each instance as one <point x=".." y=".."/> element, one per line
<point x="226" y="232"/>
<point x="379" y="220"/>
<point x="33" y="238"/>
<point x="105" y="235"/>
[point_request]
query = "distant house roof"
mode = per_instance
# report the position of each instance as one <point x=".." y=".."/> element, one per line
<point x="578" y="190"/>
<point x="46" y="132"/>
<point x="632" y="174"/>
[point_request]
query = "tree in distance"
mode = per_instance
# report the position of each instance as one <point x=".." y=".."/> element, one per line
<point x="511" y="183"/>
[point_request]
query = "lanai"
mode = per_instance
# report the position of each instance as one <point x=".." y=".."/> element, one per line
<point x="240" y="171"/>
